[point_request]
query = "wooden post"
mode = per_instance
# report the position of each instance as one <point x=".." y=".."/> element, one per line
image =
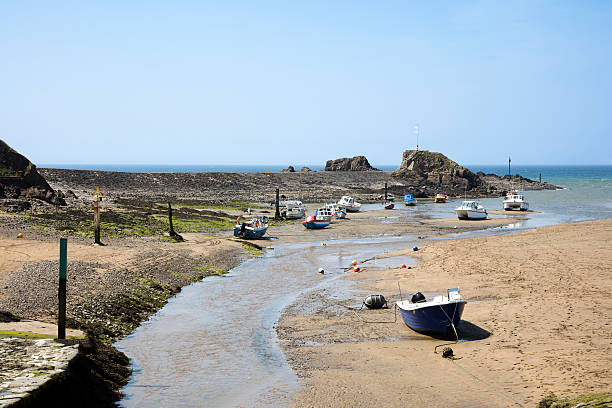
<point x="277" y="212"/>
<point x="96" y="205"/>
<point x="61" y="293"/>
<point x="385" y="192"/>
<point x="172" y="232"/>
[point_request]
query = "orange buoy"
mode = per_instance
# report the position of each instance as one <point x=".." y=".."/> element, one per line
<point x="20" y="235"/>
<point x="356" y="269"/>
<point x="403" y="265"/>
<point x="354" y="263"/>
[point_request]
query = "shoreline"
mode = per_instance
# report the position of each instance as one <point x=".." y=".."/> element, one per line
<point x="151" y="294"/>
<point x="512" y="350"/>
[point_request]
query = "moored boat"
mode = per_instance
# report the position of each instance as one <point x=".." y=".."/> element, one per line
<point x="515" y="200"/>
<point x="349" y="204"/>
<point x="321" y="219"/>
<point x="439" y="315"/>
<point x="253" y="229"/>
<point x="389" y="206"/>
<point x="339" y="213"/>
<point x="471" y="210"/>
<point x="440" y="198"/>
<point x="409" y="200"/>
<point x="292" y="209"/>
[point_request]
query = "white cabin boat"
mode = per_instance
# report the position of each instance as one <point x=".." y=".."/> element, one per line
<point x="349" y="204"/>
<point x="515" y="200"/>
<point x="336" y="210"/>
<point x="292" y="209"/>
<point x="471" y="210"/>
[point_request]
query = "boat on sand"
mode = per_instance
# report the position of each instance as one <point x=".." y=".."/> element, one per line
<point x="321" y="219"/>
<point x="349" y="204"/>
<point x="471" y="210"/>
<point x="252" y="229"/>
<point x="515" y="200"/>
<point x="439" y="315"/>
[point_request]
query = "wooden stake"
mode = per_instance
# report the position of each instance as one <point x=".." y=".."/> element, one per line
<point x="96" y="205"/>
<point x="61" y="293"/>
<point x="277" y="212"/>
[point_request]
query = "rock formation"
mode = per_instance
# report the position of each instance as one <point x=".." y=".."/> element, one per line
<point x="357" y="163"/>
<point x="19" y="179"/>
<point x="429" y="172"/>
<point x="289" y="169"/>
<point x="305" y="169"/>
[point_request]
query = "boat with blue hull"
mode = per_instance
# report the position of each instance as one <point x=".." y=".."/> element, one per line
<point x="409" y="200"/>
<point x="438" y="316"/>
<point x="254" y="229"/>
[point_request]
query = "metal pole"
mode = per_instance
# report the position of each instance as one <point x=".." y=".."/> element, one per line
<point x="61" y="293"/>
<point x="540" y="178"/>
<point x="509" y="166"/>
<point x="277" y="212"/>
<point x="385" y="191"/>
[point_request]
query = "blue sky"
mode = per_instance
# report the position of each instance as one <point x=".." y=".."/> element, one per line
<point x="304" y="82"/>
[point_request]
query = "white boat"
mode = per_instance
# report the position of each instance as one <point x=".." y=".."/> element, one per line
<point x="336" y="210"/>
<point x="390" y="197"/>
<point x="471" y="210"/>
<point x="292" y="209"/>
<point x="349" y="204"/>
<point x="515" y="200"/>
<point x="321" y="219"/>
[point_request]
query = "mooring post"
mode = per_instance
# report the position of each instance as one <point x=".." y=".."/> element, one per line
<point x="509" y="173"/>
<point x="61" y="292"/>
<point x="540" y="178"/>
<point x="385" y="191"/>
<point x="277" y="211"/>
<point x="96" y="204"/>
<point x="172" y="232"/>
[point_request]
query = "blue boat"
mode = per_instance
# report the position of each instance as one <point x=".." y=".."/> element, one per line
<point x="321" y="219"/>
<point x="409" y="199"/>
<point x="439" y="315"/>
<point x="253" y="229"/>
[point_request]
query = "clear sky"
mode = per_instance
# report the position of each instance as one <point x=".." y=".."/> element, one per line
<point x="262" y="82"/>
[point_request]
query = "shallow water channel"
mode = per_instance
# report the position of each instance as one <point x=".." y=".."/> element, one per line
<point x="215" y="342"/>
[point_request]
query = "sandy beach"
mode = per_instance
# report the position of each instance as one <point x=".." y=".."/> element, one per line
<point x="538" y="319"/>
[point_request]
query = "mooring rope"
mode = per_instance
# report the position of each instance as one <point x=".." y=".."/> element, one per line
<point x="360" y="318"/>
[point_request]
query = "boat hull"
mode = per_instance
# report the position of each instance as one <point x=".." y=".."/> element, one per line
<point x="409" y="203"/>
<point x="315" y="224"/>
<point x="389" y="206"/>
<point x="434" y="319"/>
<point x="249" y="233"/>
<point x="513" y="205"/>
<point x="471" y="215"/>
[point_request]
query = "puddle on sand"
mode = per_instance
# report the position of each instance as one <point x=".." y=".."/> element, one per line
<point x="215" y="342"/>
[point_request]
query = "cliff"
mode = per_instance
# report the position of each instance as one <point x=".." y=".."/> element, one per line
<point x="19" y="178"/>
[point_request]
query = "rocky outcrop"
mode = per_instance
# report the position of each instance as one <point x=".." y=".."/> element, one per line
<point x="357" y="163"/>
<point x="289" y="169"/>
<point x="19" y="178"/>
<point x="305" y="169"/>
<point x="430" y="172"/>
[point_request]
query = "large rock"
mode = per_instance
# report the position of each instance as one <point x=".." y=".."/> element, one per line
<point x="19" y="178"/>
<point x="434" y="171"/>
<point x="357" y="163"/>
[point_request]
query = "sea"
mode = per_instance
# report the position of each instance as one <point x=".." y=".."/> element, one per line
<point x="585" y="191"/>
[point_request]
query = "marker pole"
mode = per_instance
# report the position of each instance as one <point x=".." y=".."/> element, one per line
<point x="61" y="293"/>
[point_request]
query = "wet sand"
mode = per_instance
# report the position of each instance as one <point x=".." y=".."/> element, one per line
<point x="539" y="320"/>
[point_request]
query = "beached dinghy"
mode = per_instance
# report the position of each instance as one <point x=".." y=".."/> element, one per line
<point x="440" y="198"/>
<point x="439" y="315"/>
<point x="253" y="229"/>
<point x="389" y="206"/>
<point x="471" y="210"/>
<point x="321" y="219"/>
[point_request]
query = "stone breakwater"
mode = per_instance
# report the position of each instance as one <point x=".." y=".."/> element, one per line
<point x="260" y="187"/>
<point x="28" y="364"/>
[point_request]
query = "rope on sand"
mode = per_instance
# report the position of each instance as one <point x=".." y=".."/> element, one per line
<point x="359" y="317"/>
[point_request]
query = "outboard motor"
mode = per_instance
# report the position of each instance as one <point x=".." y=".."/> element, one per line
<point x="418" y="297"/>
<point x="375" y="301"/>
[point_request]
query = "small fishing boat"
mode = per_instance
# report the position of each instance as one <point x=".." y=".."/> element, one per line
<point x="440" y="198"/>
<point x="349" y="204"/>
<point x="409" y="200"/>
<point x="515" y="200"/>
<point x="321" y="219"/>
<point x="292" y="209"/>
<point x="253" y="229"/>
<point x="439" y="315"/>
<point x="339" y="213"/>
<point x="471" y="210"/>
<point x="389" y="206"/>
<point x="389" y="197"/>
